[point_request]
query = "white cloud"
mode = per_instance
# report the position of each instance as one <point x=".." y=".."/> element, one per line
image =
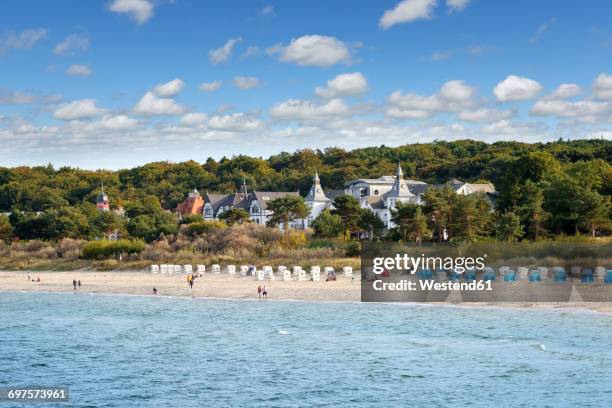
<point x="150" y="104"/>
<point x="456" y="5"/>
<point x="237" y="122"/>
<point x="316" y="50"/>
<point x="542" y="29"/>
<point x="295" y="109"/>
<point x="569" y="109"/>
<point x="16" y="98"/>
<point x="509" y="128"/>
<point x="80" y="109"/>
<point x="251" y="51"/>
<point x="515" y="88"/>
<point x="138" y="10"/>
<point x="169" y="89"/>
<point x="453" y="96"/>
<point x="343" y="85"/>
<point x="72" y="44"/>
<point x="245" y="83"/>
<point x="210" y="86"/>
<point x="485" y="115"/>
<point x="267" y="11"/>
<point x="23" y="40"/>
<point x="223" y="53"/>
<point x="78" y="70"/>
<point x="565" y="91"/>
<point x="407" y="11"/>
<point x="602" y="86"/>
<point x="119" y="122"/>
<point x="441" y="55"/>
<point x="194" y="118"/>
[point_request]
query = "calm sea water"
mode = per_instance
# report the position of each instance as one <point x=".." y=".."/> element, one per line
<point x="124" y="351"/>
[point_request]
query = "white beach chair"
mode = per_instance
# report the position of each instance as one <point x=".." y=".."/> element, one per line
<point x="600" y="273"/>
<point x="231" y="269"/>
<point x="523" y="273"/>
<point x="315" y="268"/>
<point x="154" y="268"/>
<point x="287" y="275"/>
<point x="163" y="268"/>
<point x="244" y="269"/>
<point x="261" y="275"/>
<point x="296" y="269"/>
<point x="268" y="270"/>
<point x="281" y="269"/>
<point x="178" y="268"/>
<point x="302" y="275"/>
<point x="215" y="268"/>
<point x="348" y="271"/>
<point x="201" y="269"/>
<point x="187" y="268"/>
<point x="576" y="270"/>
<point x="316" y="276"/>
<point x="543" y="272"/>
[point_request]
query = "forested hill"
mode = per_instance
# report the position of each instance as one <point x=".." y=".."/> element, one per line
<point x="506" y="164"/>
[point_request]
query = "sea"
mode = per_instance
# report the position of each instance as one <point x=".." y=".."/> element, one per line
<point x="145" y="351"/>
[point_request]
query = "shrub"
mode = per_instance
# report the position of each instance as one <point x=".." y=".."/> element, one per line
<point x="202" y="227"/>
<point x="106" y="249"/>
<point x="353" y="248"/>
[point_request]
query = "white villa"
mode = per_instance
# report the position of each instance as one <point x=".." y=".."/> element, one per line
<point x="379" y="195"/>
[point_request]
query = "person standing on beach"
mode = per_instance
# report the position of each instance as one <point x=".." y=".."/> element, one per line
<point x="74" y="283"/>
<point x="79" y="284"/>
<point x="190" y="279"/>
<point x="259" y="292"/>
<point x="155" y="291"/>
<point x="264" y="292"/>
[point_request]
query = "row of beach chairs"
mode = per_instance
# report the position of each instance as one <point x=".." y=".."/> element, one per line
<point x="266" y="272"/>
<point x="557" y="274"/>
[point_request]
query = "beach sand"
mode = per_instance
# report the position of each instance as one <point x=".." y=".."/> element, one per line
<point x="225" y="287"/>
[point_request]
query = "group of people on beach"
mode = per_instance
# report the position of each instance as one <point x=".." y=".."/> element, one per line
<point x="32" y="279"/>
<point x="262" y="292"/>
<point x="76" y="284"/>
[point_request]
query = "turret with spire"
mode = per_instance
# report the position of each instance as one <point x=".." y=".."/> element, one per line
<point x="102" y="202"/>
<point x="243" y="186"/>
<point x="316" y="192"/>
<point x="400" y="187"/>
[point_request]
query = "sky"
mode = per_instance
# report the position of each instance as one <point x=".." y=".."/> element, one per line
<point x="118" y="83"/>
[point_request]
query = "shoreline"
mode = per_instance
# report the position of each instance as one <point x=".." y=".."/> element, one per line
<point x="224" y="287"/>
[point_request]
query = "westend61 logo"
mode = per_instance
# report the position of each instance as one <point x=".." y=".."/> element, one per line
<point x="412" y="264"/>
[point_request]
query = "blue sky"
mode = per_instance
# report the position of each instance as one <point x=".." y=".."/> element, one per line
<point x="123" y="82"/>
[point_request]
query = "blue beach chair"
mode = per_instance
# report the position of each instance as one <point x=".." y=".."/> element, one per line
<point x="425" y="274"/>
<point x="489" y="274"/>
<point x="510" y="275"/>
<point x="470" y="275"/>
<point x="559" y="274"/>
<point x="535" y="276"/>
<point x="587" y="276"/>
<point x="608" y="276"/>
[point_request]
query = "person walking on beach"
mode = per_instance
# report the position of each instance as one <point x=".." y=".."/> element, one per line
<point x="74" y="283"/>
<point x="79" y="284"/>
<point x="155" y="291"/>
<point x="264" y="292"/>
<point x="190" y="279"/>
<point x="259" y="292"/>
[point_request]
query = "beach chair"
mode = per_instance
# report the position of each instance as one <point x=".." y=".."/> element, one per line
<point x="559" y="274"/>
<point x="442" y="275"/>
<point x="535" y="275"/>
<point x="454" y="276"/>
<point x="575" y="271"/>
<point x="201" y="269"/>
<point x="244" y="269"/>
<point x="608" y="277"/>
<point x="215" y="268"/>
<point x="295" y="269"/>
<point x="302" y="275"/>
<point x="268" y="270"/>
<point x="348" y="271"/>
<point x="470" y="275"/>
<point x="281" y="269"/>
<point x="587" y="276"/>
<point x="543" y="272"/>
<point x="489" y="274"/>
<point x="314" y="268"/>
<point x="231" y="269"/>
<point x="261" y="275"/>
<point x="523" y="273"/>
<point x="315" y="276"/>
<point x="509" y="275"/>
<point x="163" y="268"/>
<point x="177" y="268"/>
<point x="286" y="275"/>
<point x="600" y="273"/>
<point x="154" y="268"/>
<point x="187" y="268"/>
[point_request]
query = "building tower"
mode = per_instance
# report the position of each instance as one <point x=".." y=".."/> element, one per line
<point x="102" y="202"/>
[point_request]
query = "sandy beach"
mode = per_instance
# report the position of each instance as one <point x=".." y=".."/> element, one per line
<point x="224" y="287"/>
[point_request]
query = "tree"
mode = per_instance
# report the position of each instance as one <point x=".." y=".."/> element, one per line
<point x="509" y="227"/>
<point x="6" y="229"/>
<point x="349" y="210"/>
<point x="595" y="211"/>
<point x="438" y="207"/>
<point x="327" y="225"/>
<point x="531" y="209"/>
<point x="235" y="216"/>
<point x="371" y="223"/>
<point x="471" y="217"/>
<point x="286" y="209"/>
<point x="410" y="222"/>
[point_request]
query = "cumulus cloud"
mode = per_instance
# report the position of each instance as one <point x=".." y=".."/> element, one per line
<point x="118" y="122"/>
<point x="315" y="50"/>
<point x="344" y="85"/>
<point x="456" y="5"/>
<point x="295" y="109"/>
<point x="565" y="91"/>
<point x="16" y="98"/>
<point x="223" y="53"/>
<point x="407" y="11"/>
<point x="244" y="83"/>
<point x="138" y="10"/>
<point x="194" y="118"/>
<point x="515" y="88"/>
<point x="251" y="51"/>
<point x="210" y="86"/>
<point x="72" y="44"/>
<point x="453" y="96"/>
<point x="569" y="109"/>
<point x="169" y="89"/>
<point x="150" y="104"/>
<point x="78" y="70"/>
<point x="237" y="122"/>
<point x="485" y="115"/>
<point x="80" y="109"/>
<point x="602" y="86"/>
<point x="23" y="40"/>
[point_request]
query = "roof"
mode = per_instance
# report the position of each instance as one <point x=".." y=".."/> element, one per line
<point x="316" y="192"/>
<point x="376" y="202"/>
<point x="482" y="188"/>
<point x="264" y="197"/>
<point x="332" y="194"/>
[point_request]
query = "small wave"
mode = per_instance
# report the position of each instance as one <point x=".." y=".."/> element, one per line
<point x="282" y="332"/>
